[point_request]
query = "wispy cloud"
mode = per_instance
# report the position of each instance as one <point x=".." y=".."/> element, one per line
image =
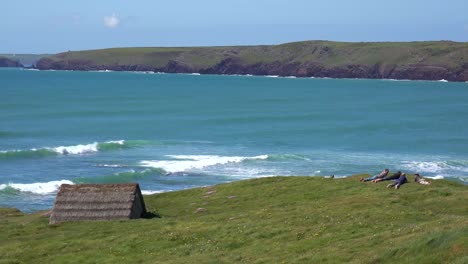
<point x="111" y="21"/>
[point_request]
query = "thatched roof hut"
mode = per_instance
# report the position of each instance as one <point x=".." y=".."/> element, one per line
<point x="89" y="202"/>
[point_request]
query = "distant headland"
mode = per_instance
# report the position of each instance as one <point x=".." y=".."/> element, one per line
<point x="427" y="60"/>
<point x="6" y="62"/>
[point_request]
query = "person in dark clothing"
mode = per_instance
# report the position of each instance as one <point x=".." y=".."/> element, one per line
<point x="401" y="180"/>
<point x="394" y="176"/>
<point x="384" y="173"/>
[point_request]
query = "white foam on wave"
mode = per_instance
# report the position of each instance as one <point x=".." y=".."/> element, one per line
<point x="38" y="187"/>
<point x="463" y="179"/>
<point x="83" y="149"/>
<point x="120" y="142"/>
<point x="443" y="80"/>
<point x="247" y="172"/>
<point x="426" y="166"/>
<point x="150" y="192"/>
<point x="142" y="72"/>
<point x="191" y="162"/>
<point x="78" y="149"/>
<point x="437" y="166"/>
<point x="436" y="177"/>
<point x="110" y="165"/>
<point x="396" y="80"/>
<point x="439" y="169"/>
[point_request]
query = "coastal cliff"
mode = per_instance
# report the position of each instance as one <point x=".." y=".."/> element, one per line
<point x="5" y="62"/>
<point x="376" y="60"/>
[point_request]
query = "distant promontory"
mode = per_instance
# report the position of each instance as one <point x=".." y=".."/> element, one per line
<point x="6" y="62"/>
<point x="434" y="60"/>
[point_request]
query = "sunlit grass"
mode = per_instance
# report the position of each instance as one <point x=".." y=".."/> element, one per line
<point x="269" y="220"/>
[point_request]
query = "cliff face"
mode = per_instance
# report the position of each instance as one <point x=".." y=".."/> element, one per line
<point x="413" y="61"/>
<point x="408" y="72"/>
<point x="5" y="62"/>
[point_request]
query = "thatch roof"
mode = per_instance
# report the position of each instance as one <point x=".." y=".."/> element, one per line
<point x="87" y="202"/>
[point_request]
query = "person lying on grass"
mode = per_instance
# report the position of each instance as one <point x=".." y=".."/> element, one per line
<point x="401" y="180"/>
<point x="394" y="176"/>
<point x="421" y="180"/>
<point x="384" y="173"/>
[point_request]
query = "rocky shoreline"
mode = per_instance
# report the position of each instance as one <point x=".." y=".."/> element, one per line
<point x="231" y="66"/>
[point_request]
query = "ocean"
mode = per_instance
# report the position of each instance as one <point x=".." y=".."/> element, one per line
<point x="176" y="131"/>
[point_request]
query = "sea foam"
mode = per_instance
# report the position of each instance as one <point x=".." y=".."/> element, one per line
<point x="62" y="150"/>
<point x="37" y="188"/>
<point x="439" y="169"/>
<point x="192" y="162"/>
<point x="78" y="149"/>
<point x="437" y="177"/>
<point x="437" y="166"/>
<point x="425" y="166"/>
<point x="150" y="192"/>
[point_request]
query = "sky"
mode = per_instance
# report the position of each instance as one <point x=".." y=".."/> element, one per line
<point x="52" y="26"/>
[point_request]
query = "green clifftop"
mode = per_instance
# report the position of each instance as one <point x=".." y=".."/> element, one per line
<point x="394" y="60"/>
<point x="268" y="220"/>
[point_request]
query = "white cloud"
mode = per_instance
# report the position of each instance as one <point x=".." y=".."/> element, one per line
<point x="111" y="21"/>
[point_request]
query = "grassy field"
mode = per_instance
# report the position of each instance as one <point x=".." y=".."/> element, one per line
<point x="329" y="53"/>
<point x="268" y="220"/>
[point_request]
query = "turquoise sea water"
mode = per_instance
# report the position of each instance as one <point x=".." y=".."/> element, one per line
<point x="174" y="131"/>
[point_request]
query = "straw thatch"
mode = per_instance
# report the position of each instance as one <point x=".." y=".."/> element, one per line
<point x="89" y="202"/>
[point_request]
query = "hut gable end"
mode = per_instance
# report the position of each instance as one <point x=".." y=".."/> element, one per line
<point x="88" y="202"/>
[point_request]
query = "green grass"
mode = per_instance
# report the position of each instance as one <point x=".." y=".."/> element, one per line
<point x="268" y="220"/>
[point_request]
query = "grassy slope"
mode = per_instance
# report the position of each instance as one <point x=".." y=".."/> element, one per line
<point x="269" y="220"/>
<point x="441" y="53"/>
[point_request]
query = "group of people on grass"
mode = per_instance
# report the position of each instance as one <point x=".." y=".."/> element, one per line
<point x="398" y="178"/>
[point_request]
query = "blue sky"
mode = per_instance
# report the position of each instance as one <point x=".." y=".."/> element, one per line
<point x="50" y="26"/>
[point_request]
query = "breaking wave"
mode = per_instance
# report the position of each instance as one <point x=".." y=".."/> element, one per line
<point x="457" y="169"/>
<point x="44" y="188"/>
<point x="36" y="188"/>
<point x="70" y="150"/>
<point x="437" y="166"/>
<point x="150" y="192"/>
<point x="425" y="166"/>
<point x="181" y="163"/>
